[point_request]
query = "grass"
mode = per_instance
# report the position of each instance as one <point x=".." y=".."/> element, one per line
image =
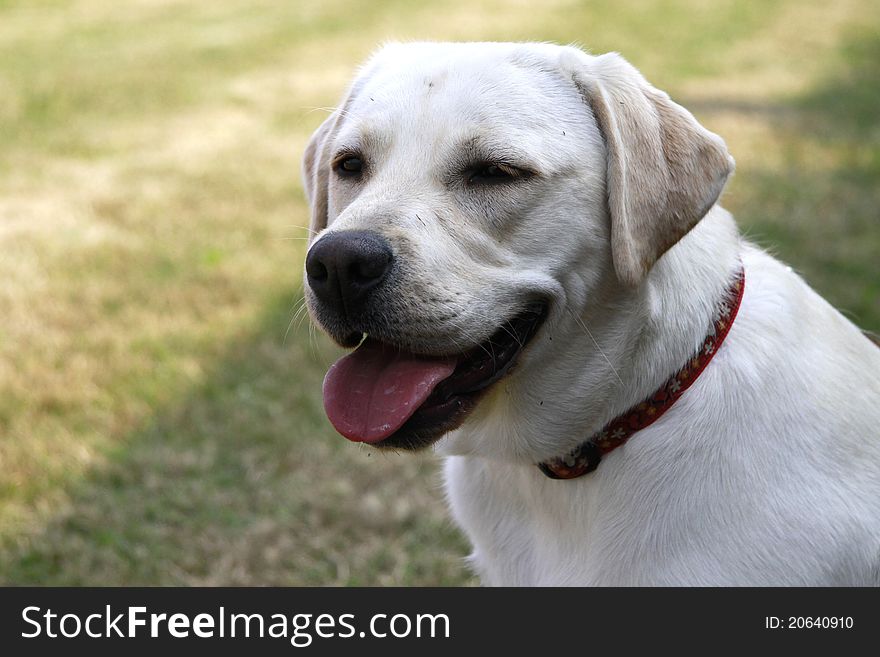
<point x="156" y="425"/>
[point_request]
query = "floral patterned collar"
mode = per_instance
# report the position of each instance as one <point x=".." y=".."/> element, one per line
<point x="585" y="458"/>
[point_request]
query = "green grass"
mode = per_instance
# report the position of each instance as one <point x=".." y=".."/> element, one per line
<point x="156" y="425"/>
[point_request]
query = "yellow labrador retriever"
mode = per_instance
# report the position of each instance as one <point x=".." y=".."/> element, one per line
<point x="524" y="245"/>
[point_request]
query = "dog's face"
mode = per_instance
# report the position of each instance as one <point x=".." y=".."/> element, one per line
<point x="468" y="202"/>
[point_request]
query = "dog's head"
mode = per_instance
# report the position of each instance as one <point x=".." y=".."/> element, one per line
<point x="468" y="201"/>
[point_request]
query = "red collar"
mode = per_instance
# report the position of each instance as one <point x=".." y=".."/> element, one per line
<point x="585" y="458"/>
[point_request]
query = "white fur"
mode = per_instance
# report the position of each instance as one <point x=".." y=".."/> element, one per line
<point x="766" y="471"/>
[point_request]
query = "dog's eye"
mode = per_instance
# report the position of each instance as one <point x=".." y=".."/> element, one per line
<point x="492" y="173"/>
<point x="348" y="165"/>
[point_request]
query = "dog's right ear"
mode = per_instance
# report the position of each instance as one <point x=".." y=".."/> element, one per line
<point x="316" y="164"/>
<point x="316" y="173"/>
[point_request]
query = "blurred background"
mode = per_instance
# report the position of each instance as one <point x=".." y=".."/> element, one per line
<point x="160" y="404"/>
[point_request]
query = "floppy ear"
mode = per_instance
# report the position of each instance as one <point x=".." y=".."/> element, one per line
<point x="664" y="172"/>
<point x="316" y="163"/>
<point x="316" y="173"/>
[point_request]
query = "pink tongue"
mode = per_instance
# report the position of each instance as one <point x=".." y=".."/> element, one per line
<point x="370" y="393"/>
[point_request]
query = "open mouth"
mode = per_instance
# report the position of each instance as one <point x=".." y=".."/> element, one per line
<point x="388" y="397"/>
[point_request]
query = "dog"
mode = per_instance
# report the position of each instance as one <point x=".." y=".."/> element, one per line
<point x="525" y="246"/>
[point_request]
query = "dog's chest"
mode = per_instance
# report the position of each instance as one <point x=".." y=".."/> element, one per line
<point x="526" y="530"/>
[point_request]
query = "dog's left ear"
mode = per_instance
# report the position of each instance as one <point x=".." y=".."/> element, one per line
<point x="664" y="171"/>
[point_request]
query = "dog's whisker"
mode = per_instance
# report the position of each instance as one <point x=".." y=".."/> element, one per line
<point x="596" y="344"/>
<point x="467" y="335"/>
<point x="306" y="228"/>
<point x="299" y="313"/>
<point x="316" y="350"/>
<point x="469" y="338"/>
<point x="311" y="110"/>
<point x="287" y="332"/>
<point x="303" y="313"/>
<point x="328" y="110"/>
<point x="512" y="335"/>
<point x="504" y="327"/>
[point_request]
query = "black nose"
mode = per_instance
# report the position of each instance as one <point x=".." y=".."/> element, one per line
<point x="343" y="267"/>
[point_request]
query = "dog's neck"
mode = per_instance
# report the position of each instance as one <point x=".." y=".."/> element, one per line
<point x="619" y="351"/>
<point x="677" y="316"/>
<point x="588" y="455"/>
